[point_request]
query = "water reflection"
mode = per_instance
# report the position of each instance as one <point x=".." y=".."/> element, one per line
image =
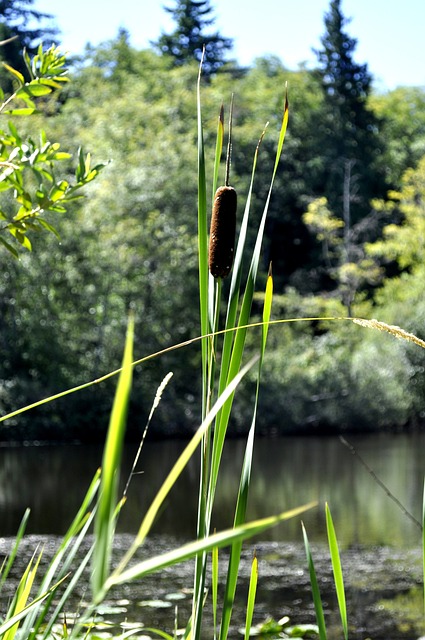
<point x="287" y="472"/>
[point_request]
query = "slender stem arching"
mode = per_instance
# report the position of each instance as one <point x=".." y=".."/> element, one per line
<point x="229" y="145"/>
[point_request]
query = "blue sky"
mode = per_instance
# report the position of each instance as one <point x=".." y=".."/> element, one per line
<point x="390" y="33"/>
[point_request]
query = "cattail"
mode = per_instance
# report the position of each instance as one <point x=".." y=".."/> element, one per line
<point x="222" y="232"/>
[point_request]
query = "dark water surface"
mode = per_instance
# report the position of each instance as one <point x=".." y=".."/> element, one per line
<point x="288" y="472"/>
<point x="380" y="545"/>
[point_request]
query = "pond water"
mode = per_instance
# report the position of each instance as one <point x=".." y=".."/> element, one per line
<point x="287" y="472"/>
<point x="380" y="543"/>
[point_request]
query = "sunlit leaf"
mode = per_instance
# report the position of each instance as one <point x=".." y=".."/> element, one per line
<point x="17" y="74"/>
<point x="24" y="111"/>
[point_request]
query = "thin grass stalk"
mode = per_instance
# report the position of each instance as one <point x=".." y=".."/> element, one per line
<point x="395" y="331"/>
<point x="204" y="278"/>
<point x="337" y="571"/>
<point x="242" y="498"/>
<point x="317" y="600"/>
<point x="251" y="597"/>
<point x="202" y="245"/>
<point x="155" y="404"/>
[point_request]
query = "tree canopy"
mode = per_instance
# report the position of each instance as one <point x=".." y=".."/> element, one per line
<point x="132" y="243"/>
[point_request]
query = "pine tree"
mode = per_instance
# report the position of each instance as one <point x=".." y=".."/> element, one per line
<point x="348" y="131"/>
<point x="185" y="44"/>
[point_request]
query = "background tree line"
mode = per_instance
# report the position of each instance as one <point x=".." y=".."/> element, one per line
<point x="345" y="236"/>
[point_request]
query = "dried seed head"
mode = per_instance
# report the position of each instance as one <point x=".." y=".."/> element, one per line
<point x="222" y="232"/>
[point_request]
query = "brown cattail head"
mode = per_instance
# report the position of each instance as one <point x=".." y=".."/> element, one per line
<point x="222" y="232"/>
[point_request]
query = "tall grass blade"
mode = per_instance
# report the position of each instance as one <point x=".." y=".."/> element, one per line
<point x="17" y="617"/>
<point x="11" y="558"/>
<point x="317" y="600"/>
<point x="104" y="525"/>
<point x="22" y="594"/>
<point x="188" y="551"/>
<point x="75" y="575"/>
<point x="63" y="563"/>
<point x="337" y="571"/>
<point x="251" y="597"/>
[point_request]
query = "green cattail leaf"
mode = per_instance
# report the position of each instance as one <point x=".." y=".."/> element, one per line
<point x="337" y="571"/>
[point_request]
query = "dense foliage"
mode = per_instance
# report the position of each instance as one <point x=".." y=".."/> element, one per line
<point x="132" y="243"/>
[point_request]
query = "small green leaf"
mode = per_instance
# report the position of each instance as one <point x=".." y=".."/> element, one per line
<point x="15" y="73"/>
<point x="60" y="155"/>
<point x="24" y="111"/>
<point x="13" y="130"/>
<point x="9" y="247"/>
<point x="58" y="191"/>
<point x="21" y="238"/>
<point x="48" y="226"/>
<point x="34" y="89"/>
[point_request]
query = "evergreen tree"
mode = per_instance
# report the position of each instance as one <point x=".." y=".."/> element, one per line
<point x="185" y="44"/>
<point x="21" y="27"/>
<point x="348" y="131"/>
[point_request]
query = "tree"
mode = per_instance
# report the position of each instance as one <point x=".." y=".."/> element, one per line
<point x="402" y="112"/>
<point x="186" y="43"/>
<point x="349" y="131"/>
<point x="21" y="27"/>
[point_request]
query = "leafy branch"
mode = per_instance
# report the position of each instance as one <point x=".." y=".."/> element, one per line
<point x="31" y="169"/>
